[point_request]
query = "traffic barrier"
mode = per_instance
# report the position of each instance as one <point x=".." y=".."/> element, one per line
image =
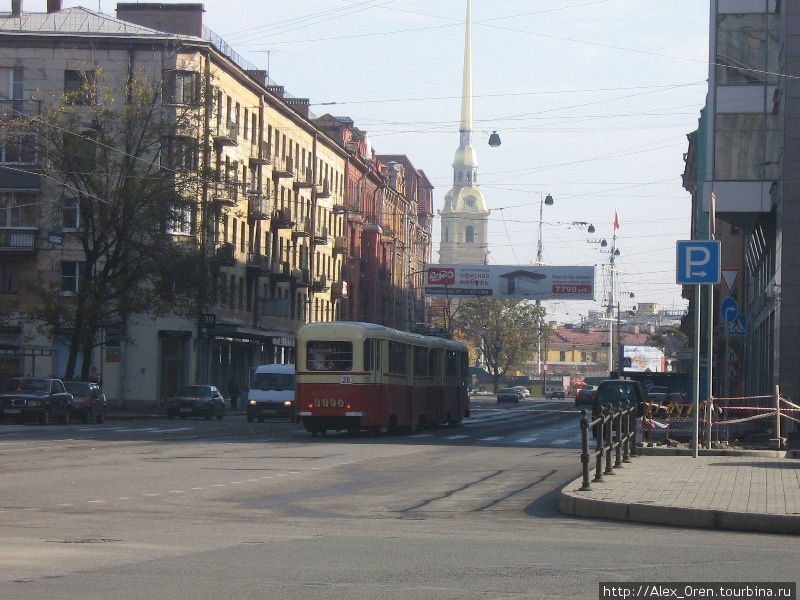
<point x="615" y="434"/>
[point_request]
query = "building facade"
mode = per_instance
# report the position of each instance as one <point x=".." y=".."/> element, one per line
<point x="269" y="214"/>
<point x="745" y="155"/>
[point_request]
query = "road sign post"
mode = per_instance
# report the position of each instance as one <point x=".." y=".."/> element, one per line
<point x="698" y="263"/>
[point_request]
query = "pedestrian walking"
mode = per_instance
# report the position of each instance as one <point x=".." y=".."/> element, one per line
<point x="94" y="376"/>
<point x="233" y="392"/>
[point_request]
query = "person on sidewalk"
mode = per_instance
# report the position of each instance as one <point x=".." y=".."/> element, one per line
<point x="94" y="376"/>
<point x="233" y="392"/>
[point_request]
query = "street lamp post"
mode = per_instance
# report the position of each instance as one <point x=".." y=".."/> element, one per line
<point x="548" y="200"/>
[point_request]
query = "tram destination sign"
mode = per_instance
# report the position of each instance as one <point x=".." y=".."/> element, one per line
<point x="532" y="282"/>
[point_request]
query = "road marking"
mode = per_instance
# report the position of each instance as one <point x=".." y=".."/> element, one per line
<point x="124" y="498"/>
<point x="562" y="441"/>
<point x="490" y="439"/>
<point x="421" y="435"/>
<point x="176" y="491"/>
<point x="62" y="505"/>
<point x="456" y="437"/>
<point x="96" y="501"/>
<point x="198" y="488"/>
<point x="152" y="495"/>
<point x="217" y="485"/>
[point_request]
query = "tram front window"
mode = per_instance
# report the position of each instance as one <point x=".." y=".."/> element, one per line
<point x="329" y="356"/>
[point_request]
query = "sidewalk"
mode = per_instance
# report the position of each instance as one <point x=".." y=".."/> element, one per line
<point x="742" y="490"/>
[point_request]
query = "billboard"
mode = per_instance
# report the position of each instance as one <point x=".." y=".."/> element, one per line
<point x="534" y="282"/>
<point x="643" y="358"/>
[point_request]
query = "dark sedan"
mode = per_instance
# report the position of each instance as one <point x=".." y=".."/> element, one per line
<point x="40" y="399"/>
<point x="88" y="401"/>
<point x="197" y="401"/>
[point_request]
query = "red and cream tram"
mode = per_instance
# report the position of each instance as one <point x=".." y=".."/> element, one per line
<point x="353" y="376"/>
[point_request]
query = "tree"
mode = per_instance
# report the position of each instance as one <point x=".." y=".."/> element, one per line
<point x="503" y="331"/>
<point x="116" y="156"/>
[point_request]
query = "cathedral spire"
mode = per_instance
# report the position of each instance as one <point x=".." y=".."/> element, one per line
<point x="465" y="216"/>
<point x="466" y="90"/>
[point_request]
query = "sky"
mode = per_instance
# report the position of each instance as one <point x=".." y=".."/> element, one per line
<point x="593" y="100"/>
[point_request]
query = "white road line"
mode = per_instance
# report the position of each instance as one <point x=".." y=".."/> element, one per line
<point x="490" y="439"/>
<point x="421" y="435"/>
<point x="456" y="437"/>
<point x="562" y="441"/>
<point x="96" y="501"/>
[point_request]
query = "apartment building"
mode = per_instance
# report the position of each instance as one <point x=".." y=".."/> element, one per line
<point x="269" y="214"/>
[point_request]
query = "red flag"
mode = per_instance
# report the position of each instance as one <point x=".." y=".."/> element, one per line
<point x="616" y="220"/>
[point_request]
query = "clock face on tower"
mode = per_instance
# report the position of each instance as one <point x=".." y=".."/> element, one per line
<point x="469" y="202"/>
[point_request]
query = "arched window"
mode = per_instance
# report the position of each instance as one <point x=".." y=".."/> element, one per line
<point x="469" y="234"/>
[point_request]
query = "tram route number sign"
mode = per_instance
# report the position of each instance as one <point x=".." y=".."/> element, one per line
<point x="346" y="379"/>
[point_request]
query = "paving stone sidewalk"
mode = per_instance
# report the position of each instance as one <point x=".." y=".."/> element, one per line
<point x="749" y="492"/>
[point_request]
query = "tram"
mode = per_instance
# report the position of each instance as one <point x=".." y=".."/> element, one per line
<point x="354" y="376"/>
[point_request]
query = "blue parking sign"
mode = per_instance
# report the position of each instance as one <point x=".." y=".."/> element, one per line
<point x="697" y="262"/>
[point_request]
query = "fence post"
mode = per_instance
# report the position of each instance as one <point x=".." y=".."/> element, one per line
<point x="626" y="424"/>
<point x="585" y="449"/>
<point x="778" y="414"/>
<point x="618" y="441"/>
<point x="598" y="450"/>
<point x="608" y="417"/>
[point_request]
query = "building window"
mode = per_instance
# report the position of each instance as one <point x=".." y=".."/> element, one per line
<point x="180" y="87"/>
<point x="181" y="221"/>
<point x="746" y="147"/>
<point x="469" y="234"/>
<point x="748" y="48"/>
<point x="80" y="87"/>
<point x="562" y="356"/>
<point x="70" y="275"/>
<point x="179" y="153"/>
<point x="18" y="209"/>
<point x="9" y="278"/>
<point x="71" y="214"/>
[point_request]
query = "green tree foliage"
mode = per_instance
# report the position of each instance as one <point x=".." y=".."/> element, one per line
<point x="503" y="331"/>
<point x="117" y="174"/>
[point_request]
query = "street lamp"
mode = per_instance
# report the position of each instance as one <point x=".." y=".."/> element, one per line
<point x="542" y="201"/>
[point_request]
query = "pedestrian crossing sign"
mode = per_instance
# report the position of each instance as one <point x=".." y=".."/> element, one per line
<point x="738" y="326"/>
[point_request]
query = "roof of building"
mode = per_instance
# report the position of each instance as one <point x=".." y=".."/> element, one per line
<point x="72" y="21"/>
<point x="588" y="339"/>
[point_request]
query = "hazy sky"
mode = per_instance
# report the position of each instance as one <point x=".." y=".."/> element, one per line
<point x="593" y="100"/>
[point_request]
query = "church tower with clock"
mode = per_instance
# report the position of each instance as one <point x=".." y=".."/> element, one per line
<point x="465" y="218"/>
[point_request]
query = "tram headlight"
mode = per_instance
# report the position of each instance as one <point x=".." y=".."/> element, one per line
<point x="287" y="403"/>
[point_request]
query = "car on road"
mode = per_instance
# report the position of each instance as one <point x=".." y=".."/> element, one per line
<point x="38" y="398"/>
<point x="584" y="395"/>
<point x="88" y="401"/>
<point x="555" y="393"/>
<point x="523" y="390"/>
<point x="271" y="393"/>
<point x="197" y="400"/>
<point x="508" y="394"/>
<point x="658" y="392"/>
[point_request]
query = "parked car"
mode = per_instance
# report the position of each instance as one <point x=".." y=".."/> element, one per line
<point x="88" y="401"/>
<point x="196" y="401"/>
<point x="508" y="394"/>
<point x="35" y="398"/>
<point x="523" y="390"/>
<point x="271" y="393"/>
<point x="658" y="392"/>
<point x="612" y="392"/>
<point x="555" y="393"/>
<point x="585" y="395"/>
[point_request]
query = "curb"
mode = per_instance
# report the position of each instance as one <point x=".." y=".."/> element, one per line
<point x="571" y="503"/>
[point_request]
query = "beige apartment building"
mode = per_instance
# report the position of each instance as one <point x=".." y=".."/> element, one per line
<point x="269" y="210"/>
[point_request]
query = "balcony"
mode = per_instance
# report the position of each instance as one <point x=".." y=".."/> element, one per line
<point x="339" y="209"/>
<point x="18" y="144"/>
<point x="282" y="218"/>
<point x="300" y="277"/>
<point x="225" y="255"/>
<point x="260" y="154"/>
<point x="340" y="245"/>
<point x="302" y="229"/>
<point x="324" y="190"/>
<point x="224" y="193"/>
<point x="303" y="179"/>
<point x="280" y="271"/>
<point x="321" y="236"/>
<point x="282" y="166"/>
<point x="257" y="264"/>
<point x="320" y="284"/>
<point x="227" y="134"/>
<point x="257" y="207"/>
<point x="18" y="240"/>
<point x="339" y="289"/>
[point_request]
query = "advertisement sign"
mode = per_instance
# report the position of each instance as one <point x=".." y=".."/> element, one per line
<point x="643" y="358"/>
<point x="534" y="282"/>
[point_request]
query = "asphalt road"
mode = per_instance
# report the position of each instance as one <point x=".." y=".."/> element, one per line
<point x="227" y="509"/>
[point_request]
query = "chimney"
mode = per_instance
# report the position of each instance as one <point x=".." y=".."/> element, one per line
<point x="16" y="8"/>
<point x="53" y="6"/>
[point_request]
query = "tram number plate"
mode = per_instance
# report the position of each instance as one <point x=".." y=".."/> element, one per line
<point x="347" y="379"/>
